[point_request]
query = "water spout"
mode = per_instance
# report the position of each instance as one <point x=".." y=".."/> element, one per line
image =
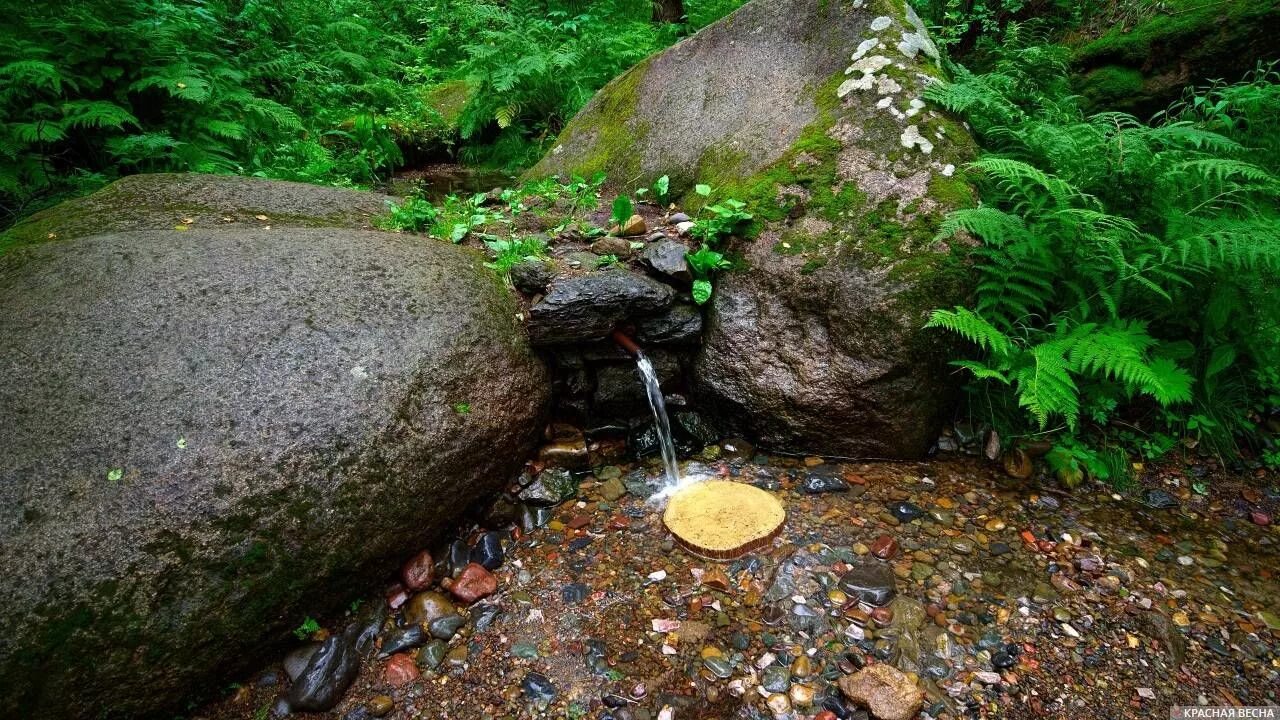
<point x="663" y="424"/>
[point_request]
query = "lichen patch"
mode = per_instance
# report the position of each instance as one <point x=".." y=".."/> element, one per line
<point x="911" y="137"/>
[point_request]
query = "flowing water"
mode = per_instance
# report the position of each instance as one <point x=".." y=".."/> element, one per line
<point x="651" y="388"/>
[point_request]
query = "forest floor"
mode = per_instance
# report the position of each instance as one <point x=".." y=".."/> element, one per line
<point x="1012" y="601"/>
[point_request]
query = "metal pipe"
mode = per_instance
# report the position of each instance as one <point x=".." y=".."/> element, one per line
<point x="625" y="342"/>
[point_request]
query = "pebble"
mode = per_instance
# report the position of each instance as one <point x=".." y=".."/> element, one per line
<point x="446" y="627"/>
<point x="538" y="687"/>
<point x="419" y="572"/>
<point x="432" y="654"/>
<point x="488" y="551"/>
<point x="474" y="583"/>
<point x="426" y="607"/>
<point x="905" y="511"/>
<point x="381" y="705"/>
<point x="400" y="670"/>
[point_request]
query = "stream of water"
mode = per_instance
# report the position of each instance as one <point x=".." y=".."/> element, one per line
<point x="651" y="388"/>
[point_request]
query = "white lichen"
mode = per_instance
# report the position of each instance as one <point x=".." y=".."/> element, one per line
<point x="866" y="68"/>
<point x="865" y="47"/>
<point x="911" y="137"/>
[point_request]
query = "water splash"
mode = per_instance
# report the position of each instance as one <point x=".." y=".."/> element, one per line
<point x="651" y="388"/>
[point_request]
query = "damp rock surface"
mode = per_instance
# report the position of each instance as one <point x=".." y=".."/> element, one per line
<point x="225" y="422"/>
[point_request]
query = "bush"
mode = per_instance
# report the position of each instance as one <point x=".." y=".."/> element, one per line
<point x="1127" y="272"/>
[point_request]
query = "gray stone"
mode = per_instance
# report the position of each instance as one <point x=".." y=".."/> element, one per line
<point x="668" y="258"/>
<point x="164" y="201"/>
<point x="587" y="307"/>
<point x="679" y="325"/>
<point x="222" y="425"/>
<point x="532" y="276"/>
<point x="872" y="582"/>
<point x="328" y="674"/>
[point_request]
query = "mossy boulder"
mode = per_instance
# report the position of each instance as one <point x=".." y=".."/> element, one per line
<point x="167" y="200"/>
<point x="812" y="112"/>
<point x="1142" y="62"/>
<point x="212" y="433"/>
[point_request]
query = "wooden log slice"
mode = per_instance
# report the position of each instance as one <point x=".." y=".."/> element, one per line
<point x="722" y="520"/>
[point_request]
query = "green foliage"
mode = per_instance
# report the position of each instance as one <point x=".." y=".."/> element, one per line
<point x="715" y="222"/>
<point x="332" y="91"/>
<point x="703" y="264"/>
<point x="622" y="210"/>
<point x="308" y="627"/>
<point x="1126" y="270"/>
<point x="509" y="253"/>
<point x="415" y="214"/>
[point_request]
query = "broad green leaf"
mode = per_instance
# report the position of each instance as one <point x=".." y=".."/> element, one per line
<point x="703" y="190"/>
<point x="701" y="291"/>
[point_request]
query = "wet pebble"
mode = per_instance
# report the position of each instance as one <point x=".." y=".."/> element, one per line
<point x="488" y="551"/>
<point x="538" y="687"/>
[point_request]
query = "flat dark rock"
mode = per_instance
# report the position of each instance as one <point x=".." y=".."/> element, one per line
<point x="587" y="307"/>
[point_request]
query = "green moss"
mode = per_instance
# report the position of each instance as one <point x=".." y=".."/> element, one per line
<point x="448" y="99"/>
<point x="615" y="127"/>
<point x="1110" y="83"/>
<point x="1181" y="21"/>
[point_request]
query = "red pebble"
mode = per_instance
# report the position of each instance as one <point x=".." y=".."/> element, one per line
<point x="474" y="583"/>
<point x="884" y="547"/>
<point x="825" y="715"/>
<point x="418" y="573"/>
<point x="400" y="669"/>
<point x="1260" y="518"/>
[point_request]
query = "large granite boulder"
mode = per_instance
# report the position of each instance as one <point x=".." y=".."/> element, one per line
<point x="192" y="200"/>
<point x="211" y="433"/>
<point x="813" y="114"/>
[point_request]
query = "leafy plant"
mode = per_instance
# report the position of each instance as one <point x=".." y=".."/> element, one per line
<point x="509" y="253"/>
<point x="1126" y="269"/>
<point x="308" y="628"/>
<point x="703" y="264"/>
<point x="720" y="220"/>
<point x="621" y="211"/>
<point x="415" y="215"/>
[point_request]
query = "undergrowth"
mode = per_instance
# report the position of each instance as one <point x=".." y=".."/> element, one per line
<point x="1127" y="292"/>
<point x="336" y="92"/>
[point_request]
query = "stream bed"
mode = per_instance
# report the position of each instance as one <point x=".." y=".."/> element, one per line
<point x="1002" y="600"/>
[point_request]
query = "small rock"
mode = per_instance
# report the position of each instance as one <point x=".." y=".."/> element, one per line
<point x="425" y="607"/>
<point x="474" y="583"/>
<point x="883" y="690"/>
<point x="418" y="573"/>
<point x="884" y="547"/>
<point x="823" y="479"/>
<point x="668" y="258"/>
<point x="550" y="488"/>
<point x="1159" y="499"/>
<point x="635" y="225"/>
<point x="488" y="551"/>
<point x="905" y="511"/>
<point x="677" y="218"/>
<point x="613" y="246"/>
<point x="446" y="627"/>
<point x="405" y="638"/>
<point x="613" y="489"/>
<point x="432" y="654"/>
<point x="400" y="670"/>
<point x="532" y="276"/>
<point x="329" y="671"/>
<point x="870" y="581"/>
<point x="380" y="705"/>
<point x="538" y="687"/>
